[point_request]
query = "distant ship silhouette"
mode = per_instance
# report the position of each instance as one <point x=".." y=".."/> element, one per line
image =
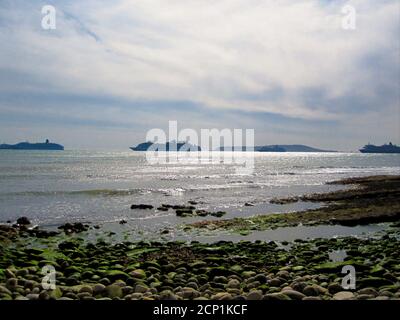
<point x="169" y="146"/>
<point x="32" y="146"/>
<point x="386" y="148"/>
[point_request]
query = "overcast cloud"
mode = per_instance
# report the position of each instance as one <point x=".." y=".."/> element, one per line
<point x="114" y="69"/>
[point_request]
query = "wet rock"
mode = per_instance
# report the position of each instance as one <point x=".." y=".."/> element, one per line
<point x="183" y="212"/>
<point x="76" y="227"/>
<point x="23" y="221"/>
<point x="123" y="221"/>
<point x="141" y="206"/>
<point x="162" y="209"/>
<point x="218" y="214"/>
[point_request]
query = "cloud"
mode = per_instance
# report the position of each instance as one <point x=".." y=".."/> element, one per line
<point x="285" y="58"/>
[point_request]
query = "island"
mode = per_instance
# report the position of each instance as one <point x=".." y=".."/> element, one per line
<point x="47" y="145"/>
<point x="277" y="148"/>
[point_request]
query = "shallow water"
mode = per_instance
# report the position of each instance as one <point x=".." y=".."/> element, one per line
<point x="55" y="187"/>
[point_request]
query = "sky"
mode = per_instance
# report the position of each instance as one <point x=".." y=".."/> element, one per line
<point x="112" y="70"/>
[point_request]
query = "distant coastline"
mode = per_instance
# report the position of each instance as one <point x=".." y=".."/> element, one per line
<point x="277" y="148"/>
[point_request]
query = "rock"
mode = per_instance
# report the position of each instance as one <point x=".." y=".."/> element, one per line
<point x="189" y="293"/>
<point x="369" y="291"/>
<point x="44" y="295"/>
<point x="276" y="296"/>
<point x="283" y="274"/>
<point x="262" y="278"/>
<point x="9" y="274"/>
<point x="233" y="284"/>
<point x="218" y="214"/>
<point x="141" y="206"/>
<point x="292" y="294"/>
<point x="98" y="288"/>
<point x="312" y="298"/>
<point x="334" y="288"/>
<point x="168" y="295"/>
<point x="314" y="290"/>
<point x="248" y="204"/>
<point x="123" y="221"/>
<point x="87" y="289"/>
<point x="114" y="291"/>
<point x="222" y="296"/>
<point x="374" y="282"/>
<point x="183" y="212"/>
<point x="11" y="283"/>
<point x="343" y="295"/>
<point x="140" y="288"/>
<point x="254" y="295"/>
<point x="274" y="282"/>
<point x="33" y="296"/>
<point x="248" y="274"/>
<point x="365" y="296"/>
<point x="76" y="227"/>
<point x="381" y="298"/>
<point x="115" y="275"/>
<point x="385" y="293"/>
<point x="138" y="274"/>
<point x="162" y="209"/>
<point x="23" y="221"/>
<point x="4" y="290"/>
<point x="84" y="295"/>
<point x="298" y="286"/>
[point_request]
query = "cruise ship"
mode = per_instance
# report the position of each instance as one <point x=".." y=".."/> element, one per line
<point x="47" y="145"/>
<point x="386" y="148"/>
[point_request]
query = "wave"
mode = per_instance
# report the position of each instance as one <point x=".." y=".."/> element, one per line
<point x="91" y="192"/>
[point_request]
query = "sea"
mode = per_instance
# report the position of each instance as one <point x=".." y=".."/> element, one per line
<point x="98" y="188"/>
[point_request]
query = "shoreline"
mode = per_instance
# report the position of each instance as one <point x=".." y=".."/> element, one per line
<point x="374" y="199"/>
<point x="223" y="270"/>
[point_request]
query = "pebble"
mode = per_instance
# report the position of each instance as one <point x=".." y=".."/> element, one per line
<point x="255" y="295"/>
<point x="295" y="295"/>
<point x="140" y="288"/>
<point x="343" y="295"/>
<point x="233" y="284"/>
<point x="370" y="291"/>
